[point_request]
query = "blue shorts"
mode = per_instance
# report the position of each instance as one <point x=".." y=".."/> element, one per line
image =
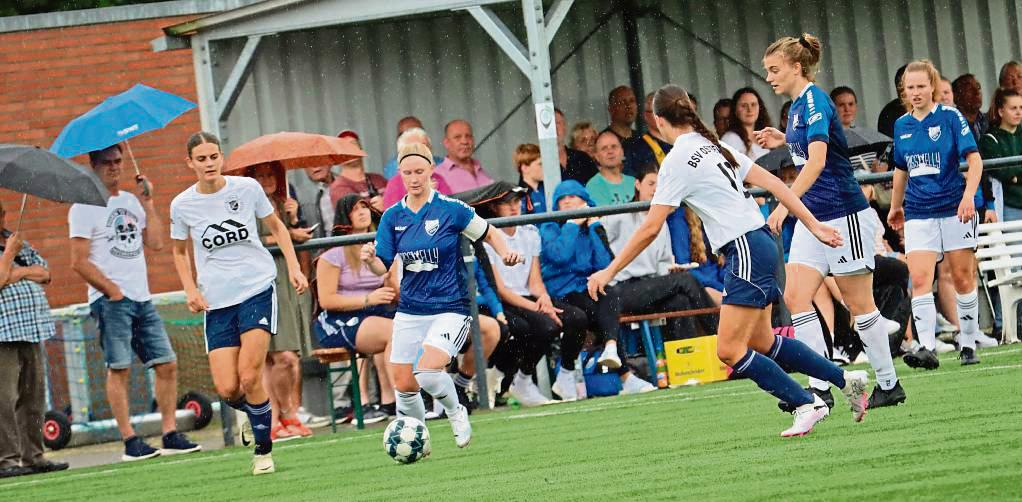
<point x="128" y="326"/>
<point x="751" y="278"/>
<point x="225" y="326"/>
<point x="338" y="330"/>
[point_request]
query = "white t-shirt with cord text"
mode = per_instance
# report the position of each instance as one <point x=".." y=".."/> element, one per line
<point x="232" y="263"/>
<point x="115" y="234"/>
<point x="697" y="174"/>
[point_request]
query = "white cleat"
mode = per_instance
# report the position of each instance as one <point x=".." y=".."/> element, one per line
<point x="461" y="427"/>
<point x="856" y="392"/>
<point x="636" y="385"/>
<point x="985" y="342"/>
<point x="527" y="393"/>
<point x="806" y="417"/>
<point x="263" y="464"/>
<point x="608" y="359"/>
<point x="564" y="386"/>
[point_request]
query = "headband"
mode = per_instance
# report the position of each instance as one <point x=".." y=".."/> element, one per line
<point x="803" y="42"/>
<point x="405" y="156"/>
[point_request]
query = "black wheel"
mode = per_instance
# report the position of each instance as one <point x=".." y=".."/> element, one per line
<point x="200" y="405"/>
<point x="56" y="430"/>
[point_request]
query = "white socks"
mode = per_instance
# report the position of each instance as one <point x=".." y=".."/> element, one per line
<point x="968" y="319"/>
<point x="924" y="311"/>
<point x="873" y="333"/>
<point x="809" y="331"/>
<point x="438" y="383"/>
<point x="409" y="404"/>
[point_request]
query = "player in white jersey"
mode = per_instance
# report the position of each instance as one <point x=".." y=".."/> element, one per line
<point x="710" y="177"/>
<point x="236" y="278"/>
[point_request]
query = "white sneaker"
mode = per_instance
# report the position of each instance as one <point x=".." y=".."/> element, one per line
<point x="608" y="359"/>
<point x="263" y="464"/>
<point x="527" y="393"/>
<point x="312" y="421"/>
<point x="855" y="391"/>
<point x="493" y="379"/>
<point x="636" y="385"/>
<point x="943" y="325"/>
<point x="862" y="358"/>
<point x="909" y="347"/>
<point x="806" y="416"/>
<point x="461" y="427"/>
<point x="892" y="326"/>
<point x="985" y="342"/>
<point x="564" y="385"/>
<point x="944" y="348"/>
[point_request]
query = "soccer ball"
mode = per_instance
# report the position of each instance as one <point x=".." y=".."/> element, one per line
<point x="406" y="440"/>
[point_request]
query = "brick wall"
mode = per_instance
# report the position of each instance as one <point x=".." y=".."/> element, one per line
<point x="48" y="77"/>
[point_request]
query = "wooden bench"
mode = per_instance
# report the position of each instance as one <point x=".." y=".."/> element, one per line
<point x="330" y="358"/>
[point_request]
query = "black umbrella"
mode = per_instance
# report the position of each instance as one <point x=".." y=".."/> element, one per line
<point x="865" y="140"/>
<point x="33" y="171"/>
<point x="487" y="193"/>
<point x="776" y="159"/>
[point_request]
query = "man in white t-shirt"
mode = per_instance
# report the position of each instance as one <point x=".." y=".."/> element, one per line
<point x="107" y="251"/>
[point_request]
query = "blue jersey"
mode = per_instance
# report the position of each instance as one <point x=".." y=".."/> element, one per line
<point x="835" y="193"/>
<point x="427" y="243"/>
<point x="931" y="150"/>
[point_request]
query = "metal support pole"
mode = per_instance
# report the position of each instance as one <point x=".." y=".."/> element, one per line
<point x="468" y="253"/>
<point x="633" y="53"/>
<point x="542" y="95"/>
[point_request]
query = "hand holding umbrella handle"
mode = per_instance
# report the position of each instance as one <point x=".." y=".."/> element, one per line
<point x="145" y="187"/>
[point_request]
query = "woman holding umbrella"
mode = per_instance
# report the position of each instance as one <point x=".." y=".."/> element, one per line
<point x="236" y="276"/>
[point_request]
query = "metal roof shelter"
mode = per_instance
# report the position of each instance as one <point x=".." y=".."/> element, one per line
<point x="270" y="17"/>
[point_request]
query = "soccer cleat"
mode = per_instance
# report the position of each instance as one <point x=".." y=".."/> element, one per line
<point x="461" y="427"/>
<point x="985" y="342"/>
<point x="968" y="356"/>
<point x="175" y="443"/>
<point x="806" y="417"/>
<point x="564" y="385"/>
<point x="247" y="436"/>
<point x="636" y="385"/>
<point x="856" y="383"/>
<point x="922" y="358"/>
<point x="881" y="398"/>
<point x="263" y="464"/>
<point x="527" y="393"/>
<point x="608" y="359"/>
<point x="825" y="395"/>
<point x="136" y="449"/>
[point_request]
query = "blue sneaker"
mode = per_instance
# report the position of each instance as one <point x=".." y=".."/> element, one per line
<point x="175" y="443"/>
<point x="136" y="449"/>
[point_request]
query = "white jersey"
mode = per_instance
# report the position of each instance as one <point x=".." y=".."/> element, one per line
<point x="233" y="265"/>
<point x="697" y="174"/>
<point x="115" y="234"/>
<point x="526" y="242"/>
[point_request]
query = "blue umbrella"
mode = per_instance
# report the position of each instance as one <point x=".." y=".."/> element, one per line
<point x="125" y="115"/>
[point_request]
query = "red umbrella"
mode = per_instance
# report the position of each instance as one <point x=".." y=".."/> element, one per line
<point x="293" y="150"/>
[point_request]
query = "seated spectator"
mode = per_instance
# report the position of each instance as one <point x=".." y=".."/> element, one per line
<point x="530" y="177"/>
<point x="652" y="282"/>
<point x="406" y="123"/>
<point x="748" y="114"/>
<point x="1005" y="140"/>
<point x="293" y="319"/>
<point x="610" y="186"/>
<point x="357" y="305"/>
<point x="583" y="139"/>
<point x="847" y="105"/>
<point x="575" y="164"/>
<point x="623" y="109"/>
<point x="649" y="147"/>
<point x="571" y="252"/>
<point x="969" y="100"/>
<point x="721" y="116"/>
<point x="395" y="188"/>
<point x="534" y="319"/>
<point x="459" y="169"/>
<point x="355" y="179"/>
<point x="895" y="108"/>
<point x="689" y="245"/>
<point x="947" y="95"/>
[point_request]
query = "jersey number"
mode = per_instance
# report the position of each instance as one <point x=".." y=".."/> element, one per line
<point x="731" y="174"/>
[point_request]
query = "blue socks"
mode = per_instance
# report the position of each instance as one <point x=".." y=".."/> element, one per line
<point x="793" y="355"/>
<point x="771" y="378"/>
<point x="259" y="415"/>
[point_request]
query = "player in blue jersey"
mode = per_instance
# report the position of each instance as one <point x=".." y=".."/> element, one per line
<point x="936" y="207"/>
<point x="432" y="322"/>
<point x="709" y="177"/>
<point x="825" y="182"/>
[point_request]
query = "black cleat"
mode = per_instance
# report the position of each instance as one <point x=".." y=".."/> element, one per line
<point x="880" y="397"/>
<point x="968" y="356"/>
<point x="922" y="358"/>
<point x="825" y="395"/>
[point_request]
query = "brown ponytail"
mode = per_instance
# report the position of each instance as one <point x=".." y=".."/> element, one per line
<point x="804" y="50"/>
<point x="672" y="104"/>
<point x="696" y="246"/>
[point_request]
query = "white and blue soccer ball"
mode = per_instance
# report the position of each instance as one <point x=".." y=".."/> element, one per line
<point x="406" y="440"/>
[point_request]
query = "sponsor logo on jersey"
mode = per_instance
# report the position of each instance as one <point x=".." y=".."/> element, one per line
<point x="815" y="117"/>
<point x="423" y="260"/>
<point x="794" y="121"/>
<point x="233" y="204"/>
<point x="906" y="136"/>
<point x="123" y="231"/>
<point x="223" y="234"/>
<point x="934" y="132"/>
<point x="401" y="228"/>
<point x="432" y="226"/>
<point x="923" y="164"/>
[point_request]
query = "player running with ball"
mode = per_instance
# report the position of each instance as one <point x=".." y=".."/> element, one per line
<point x="709" y="177"/>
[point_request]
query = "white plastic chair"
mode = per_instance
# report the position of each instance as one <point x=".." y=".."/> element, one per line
<point x="1000" y="251"/>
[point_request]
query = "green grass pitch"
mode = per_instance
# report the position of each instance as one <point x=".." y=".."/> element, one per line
<point x="958" y="436"/>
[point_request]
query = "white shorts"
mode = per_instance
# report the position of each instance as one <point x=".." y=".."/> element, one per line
<point x="856" y="254"/>
<point x="940" y="234"/>
<point x="447" y="332"/>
